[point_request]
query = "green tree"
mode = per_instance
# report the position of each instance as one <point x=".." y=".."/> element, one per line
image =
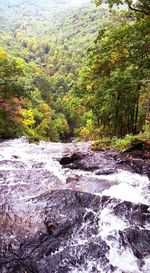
<point x="142" y="6"/>
<point x="114" y="76"/>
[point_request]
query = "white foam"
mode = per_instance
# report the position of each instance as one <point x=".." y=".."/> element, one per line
<point x="130" y="187"/>
<point x="121" y="258"/>
<point x="125" y="192"/>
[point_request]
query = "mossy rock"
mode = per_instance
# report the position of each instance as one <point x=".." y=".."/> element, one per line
<point x="101" y="145"/>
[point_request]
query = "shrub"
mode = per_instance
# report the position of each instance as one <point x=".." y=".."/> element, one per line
<point x="127" y="142"/>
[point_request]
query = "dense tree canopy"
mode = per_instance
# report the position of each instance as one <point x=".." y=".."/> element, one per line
<point x="74" y="72"/>
<point x="115" y="74"/>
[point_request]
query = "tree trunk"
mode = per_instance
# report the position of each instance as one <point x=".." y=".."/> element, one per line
<point x="136" y="111"/>
<point x="116" y="115"/>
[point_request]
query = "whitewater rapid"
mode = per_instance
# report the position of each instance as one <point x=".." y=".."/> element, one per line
<point x="30" y="170"/>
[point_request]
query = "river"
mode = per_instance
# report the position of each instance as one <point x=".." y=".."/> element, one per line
<point x="65" y="208"/>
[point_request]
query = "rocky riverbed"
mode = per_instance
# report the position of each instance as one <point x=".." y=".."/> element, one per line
<point x="65" y="208"/>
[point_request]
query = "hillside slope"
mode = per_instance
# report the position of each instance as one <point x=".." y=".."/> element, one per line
<point x="51" y="34"/>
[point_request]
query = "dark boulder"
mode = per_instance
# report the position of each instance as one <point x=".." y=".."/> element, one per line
<point x="138" y="240"/>
<point x="65" y="218"/>
<point x="61" y="231"/>
<point x="138" y="156"/>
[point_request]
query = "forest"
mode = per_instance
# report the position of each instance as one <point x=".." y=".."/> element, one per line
<point x="75" y="71"/>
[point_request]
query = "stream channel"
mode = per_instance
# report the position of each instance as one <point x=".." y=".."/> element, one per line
<point x="65" y="208"/>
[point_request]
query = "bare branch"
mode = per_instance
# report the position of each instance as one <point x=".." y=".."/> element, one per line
<point x="136" y="9"/>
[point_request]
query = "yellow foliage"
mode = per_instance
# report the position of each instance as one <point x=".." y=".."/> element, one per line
<point x="89" y="87"/>
<point x="45" y="109"/>
<point x="28" y="117"/>
<point x="85" y="134"/>
<point x="2" y="53"/>
<point x="117" y="55"/>
<point x="28" y="122"/>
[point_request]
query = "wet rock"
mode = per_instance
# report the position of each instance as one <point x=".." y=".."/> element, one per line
<point x="137" y="164"/>
<point x="146" y="168"/>
<point x="90" y="161"/>
<point x="121" y="160"/>
<point x="68" y="159"/>
<point x="135" y="214"/>
<point x="50" y="225"/>
<point x="101" y="162"/>
<point x="75" y="178"/>
<point x="25" y="183"/>
<point x="138" y="157"/>
<point x="68" y="235"/>
<point x="12" y="164"/>
<point x="63" y="230"/>
<point x="138" y="240"/>
<point x="65" y="215"/>
<point x="74" y="257"/>
<point x="148" y="174"/>
<point x="15" y="156"/>
<point x="105" y="171"/>
<point x="140" y="165"/>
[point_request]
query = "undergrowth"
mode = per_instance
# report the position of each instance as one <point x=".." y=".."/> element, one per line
<point x="119" y="144"/>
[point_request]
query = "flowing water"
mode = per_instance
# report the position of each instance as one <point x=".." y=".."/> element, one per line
<point x="109" y="230"/>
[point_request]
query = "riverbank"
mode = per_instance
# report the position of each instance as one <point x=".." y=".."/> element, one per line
<point x="134" y="151"/>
